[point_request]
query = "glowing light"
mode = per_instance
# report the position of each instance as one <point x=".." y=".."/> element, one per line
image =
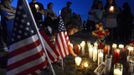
<point x="85" y="64"/>
<point x="114" y="46"/>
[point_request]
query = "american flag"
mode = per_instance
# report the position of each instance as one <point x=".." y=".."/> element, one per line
<point x="51" y="49"/>
<point x="62" y="40"/>
<point x="26" y="55"/>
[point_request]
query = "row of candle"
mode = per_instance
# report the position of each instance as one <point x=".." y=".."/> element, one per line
<point x="95" y="53"/>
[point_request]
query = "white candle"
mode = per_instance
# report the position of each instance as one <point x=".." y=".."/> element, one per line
<point x="118" y="69"/>
<point x="108" y="62"/>
<point x="83" y="47"/>
<point x="100" y="57"/>
<point x="90" y="50"/>
<point x="130" y="49"/>
<point x="117" y="72"/>
<point x="94" y="54"/>
<point x="78" y="61"/>
<point x="96" y="44"/>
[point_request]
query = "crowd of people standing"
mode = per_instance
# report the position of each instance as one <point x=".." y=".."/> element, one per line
<point x="118" y="21"/>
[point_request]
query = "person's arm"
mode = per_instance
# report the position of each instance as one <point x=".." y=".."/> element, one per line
<point x="8" y="10"/>
<point x="10" y="17"/>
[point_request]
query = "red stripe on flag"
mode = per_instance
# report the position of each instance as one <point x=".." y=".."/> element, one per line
<point x="33" y="69"/>
<point x="24" y="49"/>
<point x="50" y="56"/>
<point x="46" y="38"/>
<point x="59" y="48"/>
<point x="26" y="60"/>
<point x="62" y="41"/>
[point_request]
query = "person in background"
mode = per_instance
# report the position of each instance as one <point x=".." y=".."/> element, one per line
<point x="7" y="19"/>
<point x="66" y="12"/>
<point x="126" y="21"/>
<point x="50" y="11"/>
<point x="51" y="20"/>
<point x="38" y="12"/>
<point x="95" y="15"/>
<point x="110" y="15"/>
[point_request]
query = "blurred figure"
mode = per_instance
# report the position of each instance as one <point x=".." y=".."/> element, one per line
<point x="126" y="20"/>
<point x="38" y="12"/>
<point x="95" y="15"/>
<point x="51" y="20"/>
<point x="111" y="12"/>
<point x="75" y="20"/>
<point x="66" y="12"/>
<point x="50" y="11"/>
<point x="7" y="18"/>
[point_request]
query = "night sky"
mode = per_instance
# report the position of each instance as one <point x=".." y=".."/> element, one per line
<point x="79" y="6"/>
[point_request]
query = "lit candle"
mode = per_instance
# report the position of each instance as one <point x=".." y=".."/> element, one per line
<point x="114" y="46"/>
<point x="36" y="6"/>
<point x="96" y="44"/>
<point x="83" y="47"/>
<point x="111" y="9"/>
<point x="100" y="57"/>
<point x="121" y="46"/>
<point x="90" y="50"/>
<point x="94" y="54"/>
<point x="78" y="61"/>
<point x="117" y="72"/>
<point x="85" y="64"/>
<point x="118" y="69"/>
<point x="107" y="49"/>
<point x="116" y="55"/>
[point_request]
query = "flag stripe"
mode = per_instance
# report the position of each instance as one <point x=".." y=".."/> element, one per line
<point x="24" y="55"/>
<point x="60" y="46"/>
<point x="65" y="43"/>
<point x="26" y="66"/>
<point x="52" y="52"/>
<point x="62" y="42"/>
<point x="26" y="60"/>
<point x="32" y="69"/>
<point x="24" y="48"/>
<point x="23" y="43"/>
